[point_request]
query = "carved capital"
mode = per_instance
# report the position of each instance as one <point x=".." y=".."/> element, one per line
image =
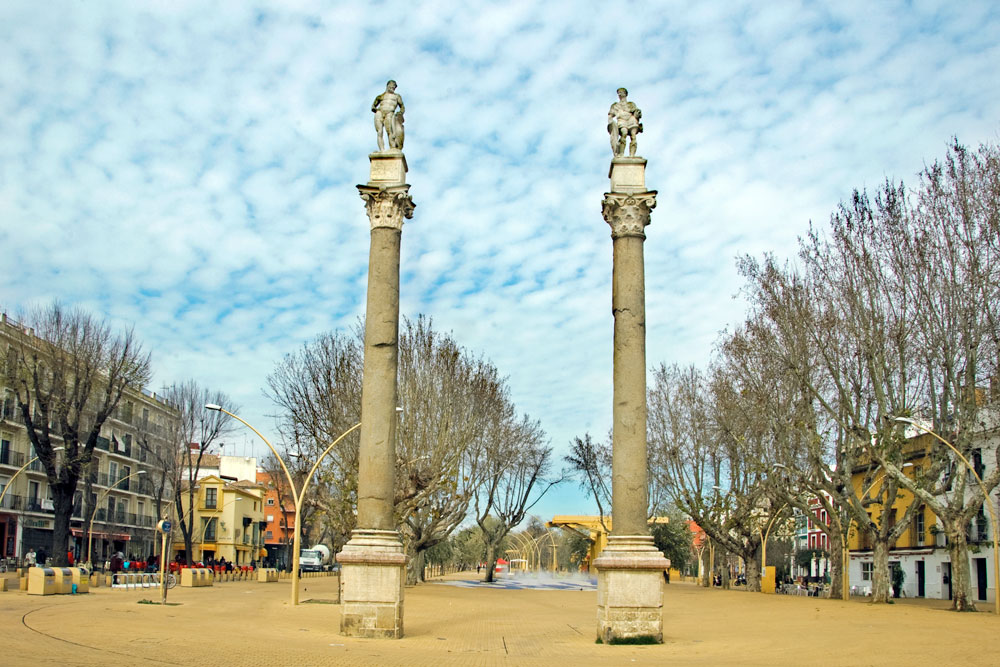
<point x="628" y="214"/>
<point x="387" y="207"/>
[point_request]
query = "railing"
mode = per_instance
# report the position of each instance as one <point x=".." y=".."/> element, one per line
<point x="12" y="502"/>
<point x="135" y="580"/>
<point x="36" y="466"/>
<point x="10" y="458"/>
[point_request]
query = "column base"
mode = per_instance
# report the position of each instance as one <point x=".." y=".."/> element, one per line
<point x="373" y="574"/>
<point x="630" y="591"/>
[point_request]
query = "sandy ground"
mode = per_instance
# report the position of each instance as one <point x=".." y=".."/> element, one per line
<point x="246" y="623"/>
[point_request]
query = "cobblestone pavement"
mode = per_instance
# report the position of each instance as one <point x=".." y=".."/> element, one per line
<point x="247" y="623"/>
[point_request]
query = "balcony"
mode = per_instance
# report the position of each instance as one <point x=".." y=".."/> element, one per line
<point x="9" y="458"/>
<point x="12" y="502"/>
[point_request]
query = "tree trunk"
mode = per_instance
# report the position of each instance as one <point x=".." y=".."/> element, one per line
<point x="836" y="561"/>
<point x="881" y="577"/>
<point x="62" y="502"/>
<point x="961" y="581"/>
<point x="491" y="562"/>
<point x="415" y="568"/>
<point x="753" y="571"/>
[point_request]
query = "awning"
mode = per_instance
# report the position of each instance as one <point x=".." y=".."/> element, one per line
<point x="120" y="537"/>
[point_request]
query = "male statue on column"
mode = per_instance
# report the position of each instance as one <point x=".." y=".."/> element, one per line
<point x="388" y="109"/>
<point x="630" y="569"/>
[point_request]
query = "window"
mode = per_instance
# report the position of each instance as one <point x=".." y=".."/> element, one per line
<point x="208" y="529"/>
<point x="211" y="494"/>
<point x="268" y="535"/>
<point x="270" y="501"/>
<point x="5" y="457"/>
<point x="7" y="407"/>
<point x="919" y="527"/>
<point x="866" y="571"/>
<point x="127" y="412"/>
<point x="112" y="472"/>
<point x="977" y="463"/>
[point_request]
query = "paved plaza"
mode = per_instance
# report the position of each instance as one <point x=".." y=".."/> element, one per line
<point x="247" y="623"/>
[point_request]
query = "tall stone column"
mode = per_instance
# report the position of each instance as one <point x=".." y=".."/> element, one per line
<point x="630" y="569"/>
<point x="373" y="562"/>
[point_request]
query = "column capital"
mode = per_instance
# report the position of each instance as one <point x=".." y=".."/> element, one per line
<point x="628" y="214"/>
<point x="387" y="206"/>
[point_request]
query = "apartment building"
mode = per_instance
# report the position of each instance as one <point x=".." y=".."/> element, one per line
<point x="123" y="478"/>
<point x="279" y="516"/>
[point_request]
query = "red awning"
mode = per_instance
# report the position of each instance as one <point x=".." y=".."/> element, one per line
<point x="79" y="532"/>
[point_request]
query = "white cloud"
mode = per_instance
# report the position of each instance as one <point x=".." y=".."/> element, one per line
<point x="191" y="169"/>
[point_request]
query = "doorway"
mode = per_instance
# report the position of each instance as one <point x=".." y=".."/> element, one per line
<point x="920" y="579"/>
<point x="980" y="577"/>
<point x="946" y="579"/>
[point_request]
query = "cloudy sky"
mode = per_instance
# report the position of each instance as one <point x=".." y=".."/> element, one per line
<point x="190" y="168"/>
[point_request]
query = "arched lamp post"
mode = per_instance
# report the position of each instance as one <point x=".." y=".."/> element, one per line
<point x="297" y="496"/>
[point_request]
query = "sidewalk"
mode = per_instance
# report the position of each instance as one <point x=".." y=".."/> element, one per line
<point x="247" y="623"/>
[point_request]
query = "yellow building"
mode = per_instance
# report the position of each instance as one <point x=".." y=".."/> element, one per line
<point x="228" y="520"/>
<point x="921" y="551"/>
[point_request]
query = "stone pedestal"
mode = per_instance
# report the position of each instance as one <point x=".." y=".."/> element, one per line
<point x="373" y="574"/>
<point x="373" y="560"/>
<point x="630" y="589"/>
<point x="630" y="569"/>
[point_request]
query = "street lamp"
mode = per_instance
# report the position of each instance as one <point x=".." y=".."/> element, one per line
<point x="986" y="500"/>
<point x="93" y="515"/>
<point x="298" y="496"/>
<point x="10" y="482"/>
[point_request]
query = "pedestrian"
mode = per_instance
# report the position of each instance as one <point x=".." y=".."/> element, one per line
<point x="69" y="558"/>
<point x="30" y="559"/>
<point x="41" y="558"/>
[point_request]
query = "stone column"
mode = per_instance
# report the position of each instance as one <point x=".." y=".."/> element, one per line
<point x="373" y="560"/>
<point x="630" y="569"/>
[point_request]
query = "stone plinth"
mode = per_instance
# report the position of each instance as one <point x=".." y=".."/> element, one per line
<point x="387" y="168"/>
<point x="630" y="590"/>
<point x="373" y="574"/>
<point x="628" y="174"/>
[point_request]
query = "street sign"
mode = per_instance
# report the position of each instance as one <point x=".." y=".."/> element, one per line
<point x="163" y="526"/>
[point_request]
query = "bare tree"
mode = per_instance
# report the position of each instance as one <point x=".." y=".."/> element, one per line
<point x="946" y="255"/>
<point x="194" y="433"/>
<point x="590" y="462"/>
<point x="707" y="449"/>
<point x="453" y="403"/>
<point x="68" y="371"/>
<point x="516" y="460"/>
<point x="318" y="392"/>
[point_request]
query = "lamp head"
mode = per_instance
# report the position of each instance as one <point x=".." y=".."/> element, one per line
<point x="213" y="406"/>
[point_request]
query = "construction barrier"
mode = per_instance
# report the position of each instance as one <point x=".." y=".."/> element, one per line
<point x="266" y="575"/>
<point x="194" y="577"/>
<point x="41" y="581"/>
